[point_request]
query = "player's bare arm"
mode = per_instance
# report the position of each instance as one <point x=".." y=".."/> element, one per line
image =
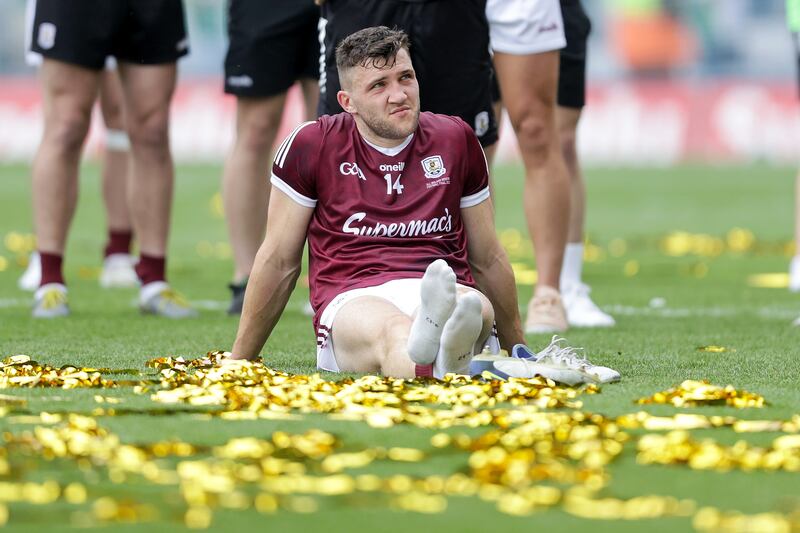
<point x="274" y="274"/>
<point x="492" y="271"/>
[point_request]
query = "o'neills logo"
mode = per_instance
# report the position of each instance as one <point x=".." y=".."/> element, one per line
<point x="412" y="228"/>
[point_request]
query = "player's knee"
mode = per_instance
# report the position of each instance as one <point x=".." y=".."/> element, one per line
<point x="67" y="132"/>
<point x="150" y="133"/>
<point x="534" y="134"/>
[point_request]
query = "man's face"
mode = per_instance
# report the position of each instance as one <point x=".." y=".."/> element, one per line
<point x="385" y="99"/>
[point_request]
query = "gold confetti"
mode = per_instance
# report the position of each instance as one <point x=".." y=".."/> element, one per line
<point x="714" y="349"/>
<point x="692" y="393"/>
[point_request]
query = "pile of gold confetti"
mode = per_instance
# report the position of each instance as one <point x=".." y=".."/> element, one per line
<point x="678" y="447"/>
<point x="257" y="390"/>
<point x="21" y="371"/>
<point x="518" y="454"/>
<point x="692" y="393"/>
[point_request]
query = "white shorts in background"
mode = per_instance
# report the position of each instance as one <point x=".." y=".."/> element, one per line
<point x="403" y="293"/>
<point x="525" y="26"/>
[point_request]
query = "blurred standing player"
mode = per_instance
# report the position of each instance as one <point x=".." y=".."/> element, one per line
<point x="581" y="310"/>
<point x="271" y="46"/>
<point x="793" y="21"/>
<point x="146" y="37"/>
<point x="117" y="261"/>
<point x="526" y="38"/>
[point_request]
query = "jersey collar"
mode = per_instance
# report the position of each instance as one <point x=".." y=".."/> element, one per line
<point x="391" y="152"/>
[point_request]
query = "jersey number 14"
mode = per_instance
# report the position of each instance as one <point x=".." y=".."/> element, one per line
<point x="396" y="186"/>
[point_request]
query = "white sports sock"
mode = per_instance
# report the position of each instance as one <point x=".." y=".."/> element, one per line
<point x="437" y="301"/>
<point x="573" y="264"/>
<point x="459" y="336"/>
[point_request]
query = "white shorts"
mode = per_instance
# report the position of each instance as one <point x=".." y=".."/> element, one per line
<point x="403" y="293"/>
<point x="525" y="26"/>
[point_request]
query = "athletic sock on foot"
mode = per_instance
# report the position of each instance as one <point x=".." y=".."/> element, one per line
<point x="437" y="300"/>
<point x="51" y="268"/>
<point x="151" y="268"/>
<point x="459" y="336"/>
<point x="119" y="242"/>
<point x="573" y="265"/>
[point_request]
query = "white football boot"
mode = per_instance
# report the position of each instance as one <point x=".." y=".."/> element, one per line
<point x="582" y="312"/>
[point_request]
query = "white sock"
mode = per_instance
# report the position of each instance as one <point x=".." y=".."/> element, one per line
<point x="437" y="301"/>
<point x="459" y="336"/>
<point x="573" y="264"/>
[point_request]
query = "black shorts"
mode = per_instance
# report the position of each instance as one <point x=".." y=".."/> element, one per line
<point x="572" y="69"/>
<point x="449" y="49"/>
<point x="272" y="44"/>
<point x="85" y="32"/>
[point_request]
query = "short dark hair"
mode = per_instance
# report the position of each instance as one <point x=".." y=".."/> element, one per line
<point x="376" y="46"/>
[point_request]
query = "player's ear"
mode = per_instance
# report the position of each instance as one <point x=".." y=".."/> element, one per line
<point x="343" y="97"/>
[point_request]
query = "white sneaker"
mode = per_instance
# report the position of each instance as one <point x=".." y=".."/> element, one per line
<point x="32" y="277"/>
<point x="158" y="298"/>
<point x="582" y="312"/>
<point x="794" y="274"/>
<point x="505" y="367"/>
<point x="50" y="301"/>
<point x="118" y="272"/>
<point x="559" y="356"/>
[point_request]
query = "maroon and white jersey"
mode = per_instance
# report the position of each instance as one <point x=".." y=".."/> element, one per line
<point x="381" y="214"/>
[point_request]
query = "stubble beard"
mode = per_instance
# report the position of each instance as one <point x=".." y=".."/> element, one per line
<point x="386" y="130"/>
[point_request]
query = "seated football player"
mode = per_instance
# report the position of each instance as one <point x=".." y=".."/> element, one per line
<point x="406" y="272"/>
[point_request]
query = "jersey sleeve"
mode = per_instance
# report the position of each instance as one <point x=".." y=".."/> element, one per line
<point x="294" y="170"/>
<point x="476" y="180"/>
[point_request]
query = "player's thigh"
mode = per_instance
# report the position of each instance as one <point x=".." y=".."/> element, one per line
<point x="528" y="82"/>
<point x="68" y="93"/>
<point x="148" y="91"/>
<point x="258" y="119"/>
<point x="365" y="329"/>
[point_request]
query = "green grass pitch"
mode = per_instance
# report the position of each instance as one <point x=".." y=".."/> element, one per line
<point x="706" y="301"/>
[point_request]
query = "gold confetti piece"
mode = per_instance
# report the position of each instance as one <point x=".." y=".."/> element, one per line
<point x="419" y="502"/>
<point x="776" y="280"/>
<point x="714" y="349"/>
<point x="713" y="520"/>
<point x="198" y="518"/>
<point x="692" y="393"/>
<point x="405" y="454"/>
<point x="6" y="399"/>
<point x="75" y="493"/>
<point x="266" y="503"/>
<point x="300" y="504"/>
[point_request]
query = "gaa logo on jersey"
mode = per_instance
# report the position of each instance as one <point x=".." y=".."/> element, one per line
<point x="433" y="167"/>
